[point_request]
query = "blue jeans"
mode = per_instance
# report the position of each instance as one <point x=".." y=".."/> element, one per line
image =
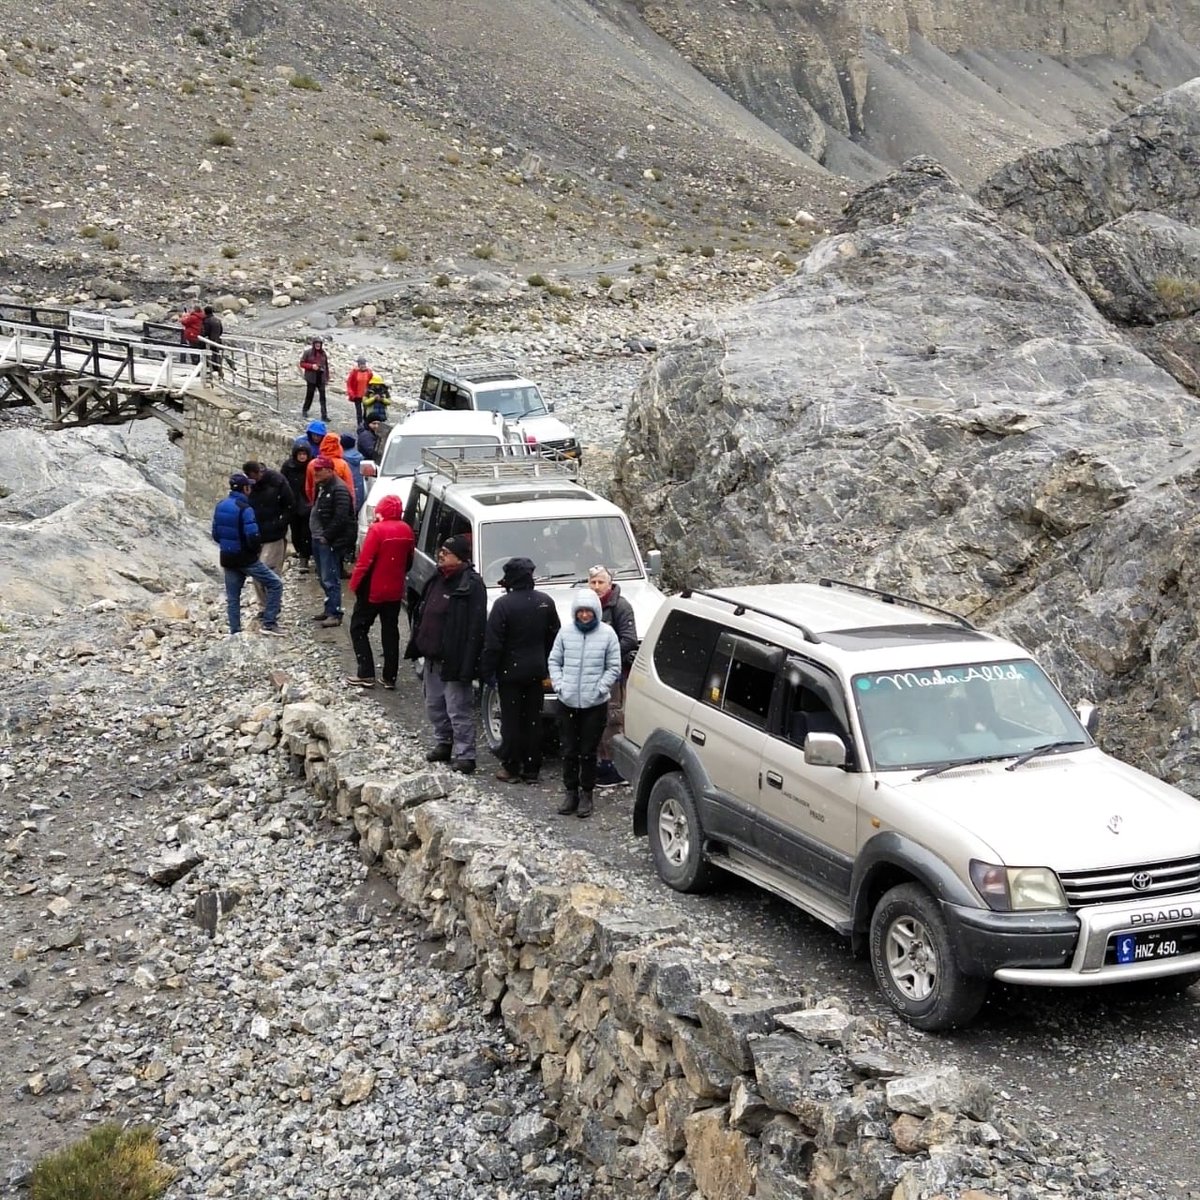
<point x="235" y="580"/>
<point x="329" y="572"/>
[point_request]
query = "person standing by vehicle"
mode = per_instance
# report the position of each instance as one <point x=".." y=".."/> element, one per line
<point x="235" y="531"/>
<point x="356" y="387"/>
<point x="272" y="501"/>
<point x="372" y="436"/>
<point x="585" y="663"/>
<point x="314" y="366"/>
<point x="617" y="612"/>
<point x="295" y="470"/>
<point x="212" y="330"/>
<point x="378" y="583"/>
<point x="447" y="632"/>
<point x="353" y="459"/>
<point x="520" y="631"/>
<point x="333" y="535"/>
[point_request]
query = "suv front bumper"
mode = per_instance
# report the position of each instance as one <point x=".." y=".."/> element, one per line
<point x="1012" y="955"/>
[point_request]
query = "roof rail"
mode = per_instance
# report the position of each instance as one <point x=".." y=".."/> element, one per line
<point x="505" y="462"/>
<point x="474" y="370"/>
<point x="889" y="598"/>
<point x="740" y="607"/>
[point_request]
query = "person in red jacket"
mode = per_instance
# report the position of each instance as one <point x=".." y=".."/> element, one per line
<point x="378" y="584"/>
<point x="356" y="388"/>
<point x="314" y="366"/>
<point x="193" y="326"/>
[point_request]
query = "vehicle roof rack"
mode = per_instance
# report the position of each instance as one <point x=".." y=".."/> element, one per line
<point x="740" y="607"/>
<point x="479" y="463"/>
<point x="474" y="370"/>
<point x="890" y="598"/>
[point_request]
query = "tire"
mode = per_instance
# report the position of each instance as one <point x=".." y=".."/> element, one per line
<point x="914" y="963"/>
<point x="489" y="716"/>
<point x="676" y="838"/>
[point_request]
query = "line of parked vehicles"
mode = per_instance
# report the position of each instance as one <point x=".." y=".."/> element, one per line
<point x="917" y="784"/>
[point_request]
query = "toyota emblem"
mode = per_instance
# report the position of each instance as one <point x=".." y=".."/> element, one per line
<point x="1142" y="881"/>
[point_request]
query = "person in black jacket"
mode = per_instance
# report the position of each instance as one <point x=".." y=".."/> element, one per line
<point x="520" y="632"/>
<point x="271" y="498"/>
<point x="295" y="471"/>
<point x="334" y="532"/>
<point x="212" y="330"/>
<point x="447" y="632"/>
<point x="617" y="612"/>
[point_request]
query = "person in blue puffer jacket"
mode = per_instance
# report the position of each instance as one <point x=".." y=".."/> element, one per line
<point x="585" y="662"/>
<point x="235" y="530"/>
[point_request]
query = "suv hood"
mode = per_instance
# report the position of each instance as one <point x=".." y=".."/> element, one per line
<point x="1057" y="812"/>
<point x="545" y="429"/>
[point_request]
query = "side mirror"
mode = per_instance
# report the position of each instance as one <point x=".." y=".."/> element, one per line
<point x="1089" y="716"/>
<point x="367" y="470"/>
<point x="654" y="564"/>
<point x="824" y="750"/>
<point x="549" y="405"/>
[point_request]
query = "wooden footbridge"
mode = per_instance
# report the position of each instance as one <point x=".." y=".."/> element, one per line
<point x="90" y="368"/>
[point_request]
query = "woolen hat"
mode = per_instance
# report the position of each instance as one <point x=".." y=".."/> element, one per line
<point x="459" y="546"/>
<point x="517" y="570"/>
<point x="321" y="463"/>
<point x="360" y="361"/>
<point x="349" y="441"/>
<point x="237" y="481"/>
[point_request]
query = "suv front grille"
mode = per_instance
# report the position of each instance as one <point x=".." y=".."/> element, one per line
<point x="1169" y="878"/>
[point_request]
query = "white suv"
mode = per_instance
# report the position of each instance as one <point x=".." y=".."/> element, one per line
<point x="916" y="783"/>
<point x="495" y="385"/>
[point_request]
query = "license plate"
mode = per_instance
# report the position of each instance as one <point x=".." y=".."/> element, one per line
<point x="1152" y="945"/>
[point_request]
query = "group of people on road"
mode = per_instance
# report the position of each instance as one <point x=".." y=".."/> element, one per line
<point x="364" y="388"/>
<point x="202" y="329"/>
<point x="518" y="648"/>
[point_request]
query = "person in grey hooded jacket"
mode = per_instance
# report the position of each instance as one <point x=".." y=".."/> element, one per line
<point x="585" y="662"/>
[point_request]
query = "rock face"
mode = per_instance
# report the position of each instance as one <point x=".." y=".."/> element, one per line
<point x="932" y="406"/>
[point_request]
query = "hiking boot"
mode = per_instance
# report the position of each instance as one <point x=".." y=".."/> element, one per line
<point x="531" y="777"/>
<point x="271" y="630"/>
<point x="464" y="766"/>
<point x="331" y="622"/>
<point x="360" y="681"/>
<point x="439" y="753"/>
<point x="321" y="616"/>
<point x="504" y="775"/>
<point x="585" y="805"/>
<point x="570" y="802"/>
<point x="389" y="684"/>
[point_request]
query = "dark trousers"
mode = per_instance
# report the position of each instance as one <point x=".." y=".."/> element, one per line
<point x="301" y="535"/>
<point x="579" y="734"/>
<point x="361" y="620"/>
<point x="521" y="727"/>
<point x="316" y="387"/>
<point x="358" y="413"/>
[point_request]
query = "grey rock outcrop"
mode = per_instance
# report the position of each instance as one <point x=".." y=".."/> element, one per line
<point x="932" y="406"/>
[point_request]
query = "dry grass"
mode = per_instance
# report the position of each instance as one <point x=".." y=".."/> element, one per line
<point x="110" y="1163"/>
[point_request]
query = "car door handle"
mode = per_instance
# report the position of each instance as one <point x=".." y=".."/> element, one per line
<point x="774" y="780"/>
<point x="698" y="737"/>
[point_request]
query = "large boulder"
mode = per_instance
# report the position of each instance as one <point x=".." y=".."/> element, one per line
<point x="932" y="406"/>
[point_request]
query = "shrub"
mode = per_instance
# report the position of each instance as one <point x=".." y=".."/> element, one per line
<point x="1178" y="295"/>
<point x="536" y="281"/>
<point x="109" y="241"/>
<point x="220" y="137"/>
<point x="110" y="1163"/>
<point x="401" y="254"/>
<point x="484" y="250"/>
<point x="229" y="252"/>
<point x="452" y="157"/>
<point x="559" y="289"/>
<point x="707" y="251"/>
<point x="604" y="281"/>
<point x="424" y="310"/>
<point x="306" y="83"/>
<point x="380" y="135"/>
<point x="188" y="87"/>
<point x="442" y="281"/>
<point x="89" y="231"/>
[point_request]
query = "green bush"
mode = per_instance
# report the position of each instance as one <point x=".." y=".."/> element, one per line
<point x="380" y="135"/>
<point x="110" y="1163"/>
<point x="401" y="254"/>
<point x="537" y="280"/>
<point x="305" y="83"/>
<point x="109" y="241"/>
<point x="484" y="250"/>
<point x="1178" y="295"/>
<point x="89" y="231"/>
<point x="604" y="281"/>
<point x="559" y="289"/>
<point x="424" y="310"/>
<point x="707" y="251"/>
<point x="229" y="252"/>
<point x="442" y="281"/>
<point x="220" y="137"/>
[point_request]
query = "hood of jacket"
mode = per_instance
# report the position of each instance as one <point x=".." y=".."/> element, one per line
<point x="586" y="598"/>
<point x="301" y="443"/>
<point x="518" y="574"/>
<point x="331" y="446"/>
<point x="389" y="509"/>
<point x="315" y="430"/>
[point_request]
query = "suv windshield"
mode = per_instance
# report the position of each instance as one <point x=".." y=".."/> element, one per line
<point x="403" y="453"/>
<point x="516" y="401"/>
<point x="944" y="715"/>
<point x="562" y="548"/>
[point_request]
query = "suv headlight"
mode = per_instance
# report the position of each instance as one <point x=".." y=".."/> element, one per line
<point x="1017" y="889"/>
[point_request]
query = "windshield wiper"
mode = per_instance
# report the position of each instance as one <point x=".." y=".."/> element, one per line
<point x="962" y="762"/>
<point x="574" y="576"/>
<point x="1046" y="748"/>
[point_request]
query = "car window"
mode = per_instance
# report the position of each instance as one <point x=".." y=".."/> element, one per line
<point x="444" y="522"/>
<point x="813" y="702"/>
<point x="562" y="548"/>
<point x="414" y="511"/>
<point x="683" y="651"/>
<point x="429" y="387"/>
<point x="512" y="402"/>
<point x="741" y="679"/>
<point x="403" y="453"/>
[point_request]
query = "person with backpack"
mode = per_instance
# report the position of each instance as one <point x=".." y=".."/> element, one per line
<point x="314" y="366"/>
<point x="235" y="531"/>
<point x="378" y="583"/>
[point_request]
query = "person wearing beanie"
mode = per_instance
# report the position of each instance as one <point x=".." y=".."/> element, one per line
<point x="356" y="387"/>
<point x="272" y="501"/>
<point x="618" y="612"/>
<point x="585" y="664"/>
<point x="447" y="633"/>
<point x="314" y="366"/>
<point x="331" y="521"/>
<point x="294" y="469"/>
<point x="520" y="631"/>
<point x="354" y="460"/>
<point x="235" y="531"/>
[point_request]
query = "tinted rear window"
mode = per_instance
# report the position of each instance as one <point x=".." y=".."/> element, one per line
<point x="683" y="651"/>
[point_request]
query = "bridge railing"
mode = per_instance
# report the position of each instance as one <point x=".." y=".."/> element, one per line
<point x="239" y="363"/>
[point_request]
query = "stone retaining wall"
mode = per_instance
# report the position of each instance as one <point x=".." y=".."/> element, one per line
<point x="220" y="435"/>
<point x="666" y="1076"/>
